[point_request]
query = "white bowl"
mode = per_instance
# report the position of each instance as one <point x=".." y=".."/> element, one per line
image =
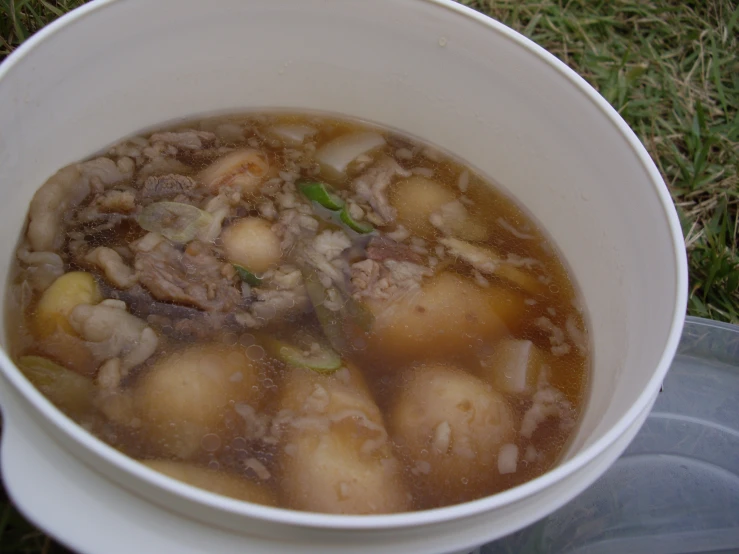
<point x="431" y="67"/>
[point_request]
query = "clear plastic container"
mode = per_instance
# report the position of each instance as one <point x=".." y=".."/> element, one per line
<point x="676" y="488"/>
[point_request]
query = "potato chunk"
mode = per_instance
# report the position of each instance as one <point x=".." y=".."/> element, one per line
<point x="415" y="199"/>
<point x="58" y="301"/>
<point x="428" y="208"/>
<point x="219" y="482"/>
<point x="327" y="472"/>
<point x="186" y="395"/>
<point x="336" y="456"/>
<point x="307" y="391"/>
<point x="450" y="426"/>
<point x="251" y="243"/>
<point x="450" y="313"/>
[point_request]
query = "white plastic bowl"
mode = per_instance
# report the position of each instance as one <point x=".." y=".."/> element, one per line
<point x="431" y="67"/>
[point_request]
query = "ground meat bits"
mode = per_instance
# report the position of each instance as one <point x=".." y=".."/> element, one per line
<point x="169" y="187"/>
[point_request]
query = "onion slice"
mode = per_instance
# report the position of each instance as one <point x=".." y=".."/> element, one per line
<point x="291" y="133"/>
<point x="514" y="367"/>
<point x="66" y="389"/>
<point x="336" y="155"/>
<point x="177" y="221"/>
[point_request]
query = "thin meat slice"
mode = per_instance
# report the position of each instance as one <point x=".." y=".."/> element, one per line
<point x="372" y="185"/>
<point x="111" y="332"/>
<point x="383" y="248"/>
<point x="115" y="269"/>
<point x="193" y="277"/>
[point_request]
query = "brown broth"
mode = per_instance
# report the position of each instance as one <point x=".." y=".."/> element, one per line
<point x="115" y="414"/>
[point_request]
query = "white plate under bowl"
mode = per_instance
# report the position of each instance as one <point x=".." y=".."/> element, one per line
<point x="45" y="480"/>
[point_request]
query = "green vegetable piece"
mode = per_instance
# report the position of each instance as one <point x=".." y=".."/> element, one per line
<point x="321" y="193"/>
<point x="176" y="221"/>
<point x="330" y="321"/>
<point x="361" y="227"/>
<point x="69" y="391"/>
<point x="352" y="320"/>
<point x="247" y="276"/>
<point x="319" y="358"/>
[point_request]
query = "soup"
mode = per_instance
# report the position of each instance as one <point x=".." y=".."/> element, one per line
<point x="303" y="311"/>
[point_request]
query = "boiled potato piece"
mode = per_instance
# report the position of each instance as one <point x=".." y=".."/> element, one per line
<point x="186" y="395"/>
<point x="415" y="199"/>
<point x="218" y="482"/>
<point x="428" y="208"/>
<point x="251" y="243"/>
<point x="69" y="391"/>
<point x="58" y="301"/>
<point x="336" y="456"/>
<point x="328" y="473"/>
<point x="449" y="314"/>
<point x="305" y="391"/>
<point x="513" y="367"/>
<point x="450" y="426"/>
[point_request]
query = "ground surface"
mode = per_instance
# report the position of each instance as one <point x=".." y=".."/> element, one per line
<point x="670" y="68"/>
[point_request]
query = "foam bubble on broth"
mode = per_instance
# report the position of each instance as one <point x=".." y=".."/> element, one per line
<point x="407" y="336"/>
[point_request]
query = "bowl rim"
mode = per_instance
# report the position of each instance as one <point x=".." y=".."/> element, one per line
<point x="407" y="519"/>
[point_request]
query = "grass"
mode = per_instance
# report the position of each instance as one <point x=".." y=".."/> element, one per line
<point x="17" y="536"/>
<point x="670" y="68"/>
